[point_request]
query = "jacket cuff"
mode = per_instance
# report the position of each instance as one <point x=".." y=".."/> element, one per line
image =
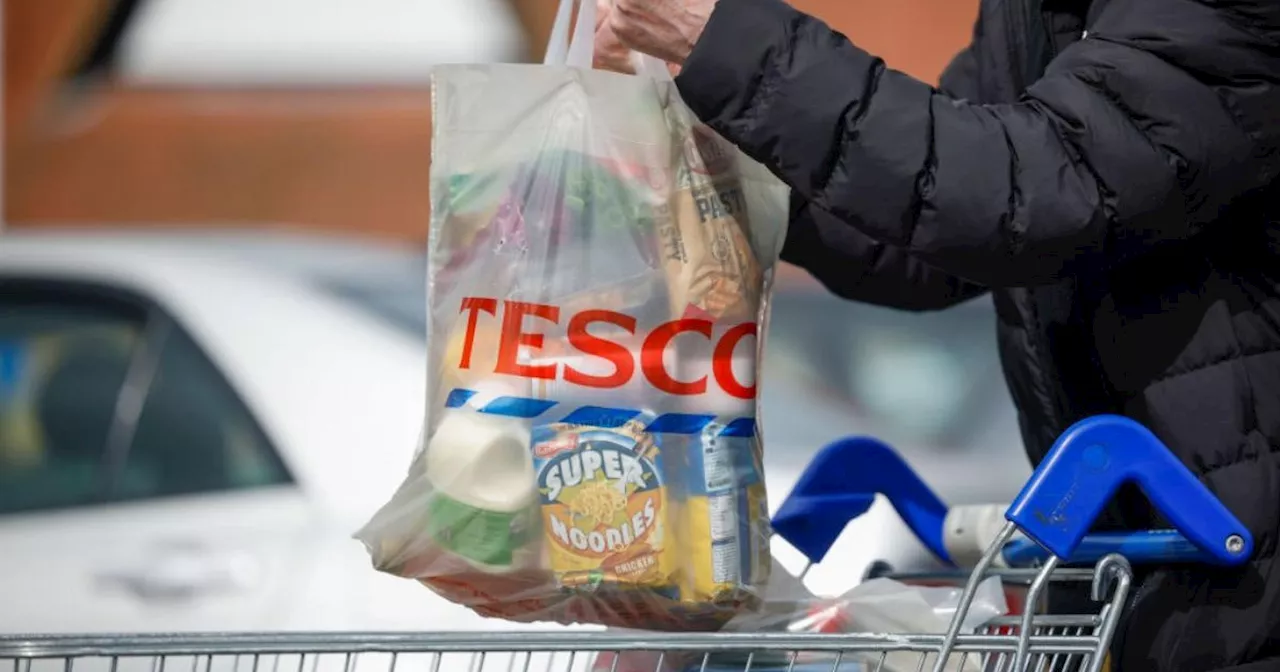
<point x="722" y="77"/>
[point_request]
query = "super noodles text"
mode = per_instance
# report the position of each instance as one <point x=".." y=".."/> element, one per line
<point x="519" y="330"/>
<point x="606" y="539"/>
<point x="590" y="465"/>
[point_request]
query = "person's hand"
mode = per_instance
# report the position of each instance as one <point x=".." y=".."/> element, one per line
<point x="610" y="52"/>
<point x="664" y="29"/>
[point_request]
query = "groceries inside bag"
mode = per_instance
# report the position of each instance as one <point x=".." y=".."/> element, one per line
<point x="599" y="267"/>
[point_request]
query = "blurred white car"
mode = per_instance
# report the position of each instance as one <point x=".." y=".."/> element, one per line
<point x="192" y="425"/>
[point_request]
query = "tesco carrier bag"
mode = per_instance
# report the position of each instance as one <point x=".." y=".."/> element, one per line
<point x="599" y="267"/>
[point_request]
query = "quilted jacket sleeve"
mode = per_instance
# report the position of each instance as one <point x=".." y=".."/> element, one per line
<point x="1150" y="129"/>
<point x="853" y="265"/>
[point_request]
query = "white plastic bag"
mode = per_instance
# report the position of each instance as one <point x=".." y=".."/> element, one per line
<point x="885" y="605"/>
<point x="878" y="606"/>
<point x="599" y="266"/>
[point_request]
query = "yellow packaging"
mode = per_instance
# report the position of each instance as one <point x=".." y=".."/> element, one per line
<point x="605" y="507"/>
<point x="723" y="518"/>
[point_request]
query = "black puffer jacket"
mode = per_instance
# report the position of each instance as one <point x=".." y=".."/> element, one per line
<point x="1107" y="170"/>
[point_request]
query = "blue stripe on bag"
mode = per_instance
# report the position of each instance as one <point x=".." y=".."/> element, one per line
<point x="679" y="423"/>
<point x="459" y="398"/>
<point x="599" y="416"/>
<point x="742" y="427"/>
<point x="595" y="416"/>
<point x="517" y="407"/>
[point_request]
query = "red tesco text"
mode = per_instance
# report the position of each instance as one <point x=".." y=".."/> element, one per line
<point x="516" y="333"/>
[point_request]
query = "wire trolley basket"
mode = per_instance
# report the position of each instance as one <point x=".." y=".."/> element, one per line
<point x="1044" y="542"/>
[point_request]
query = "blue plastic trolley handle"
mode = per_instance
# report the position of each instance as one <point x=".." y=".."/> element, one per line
<point x="841" y="483"/>
<point x="1091" y="460"/>
<point x="1056" y="508"/>
<point x="1148" y="547"/>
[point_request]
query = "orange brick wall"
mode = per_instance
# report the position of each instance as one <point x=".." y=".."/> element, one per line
<point x="916" y="36"/>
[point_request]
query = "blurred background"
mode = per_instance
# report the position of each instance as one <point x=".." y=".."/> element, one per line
<point x="212" y="311"/>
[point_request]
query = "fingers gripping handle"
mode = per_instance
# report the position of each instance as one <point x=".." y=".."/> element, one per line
<point x="841" y="483"/>
<point x="578" y="51"/>
<point x="1086" y="466"/>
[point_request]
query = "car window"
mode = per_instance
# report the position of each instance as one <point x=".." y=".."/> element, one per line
<point x="97" y="404"/>
<point x="193" y="434"/>
<point x="62" y="365"/>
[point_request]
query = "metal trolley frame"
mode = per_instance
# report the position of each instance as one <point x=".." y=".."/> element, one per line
<point x="1047" y="528"/>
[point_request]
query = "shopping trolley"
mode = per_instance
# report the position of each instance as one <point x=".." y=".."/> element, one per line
<point x="1044" y="540"/>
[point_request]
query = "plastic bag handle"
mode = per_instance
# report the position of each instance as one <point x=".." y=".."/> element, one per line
<point x="650" y="66"/>
<point x="1091" y="460"/>
<point x="575" y="52"/>
<point x="841" y="482"/>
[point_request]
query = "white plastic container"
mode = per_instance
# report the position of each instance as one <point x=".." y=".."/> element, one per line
<point x="484" y="506"/>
